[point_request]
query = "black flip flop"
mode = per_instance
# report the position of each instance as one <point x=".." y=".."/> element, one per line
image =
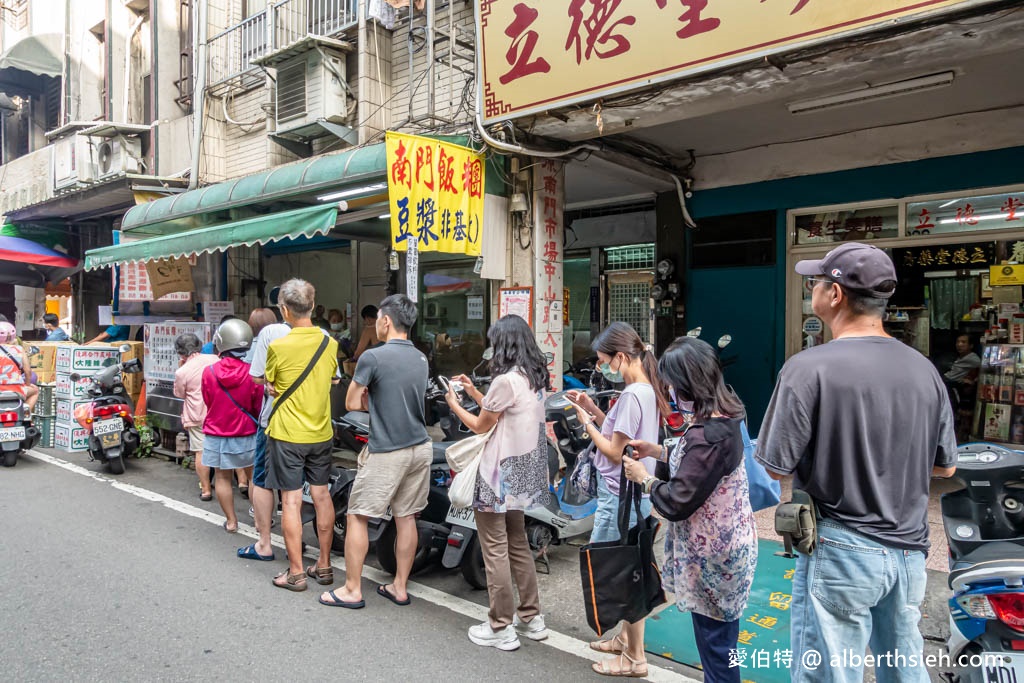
<point x="338" y="602"/>
<point x="385" y="593"/>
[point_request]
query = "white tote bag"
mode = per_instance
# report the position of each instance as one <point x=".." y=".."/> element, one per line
<point x="463" y="486"/>
<point x="461" y="453"/>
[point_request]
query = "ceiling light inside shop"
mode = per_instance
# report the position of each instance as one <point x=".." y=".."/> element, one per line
<point x="369" y="189"/>
<point x="873" y="93"/>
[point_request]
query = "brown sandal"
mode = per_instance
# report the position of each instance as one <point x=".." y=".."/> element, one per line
<point x="323" y="575"/>
<point x="612" y="646"/>
<point x="292" y="582"/>
<point x="634" y="670"/>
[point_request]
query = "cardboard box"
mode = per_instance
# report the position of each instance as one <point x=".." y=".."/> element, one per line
<point x="133" y="383"/>
<point x="138" y="350"/>
<point x="85" y="360"/>
<point x="45" y="359"/>
<point x="65" y="388"/>
<point x="69" y="438"/>
<point x="66" y="410"/>
<point x="43" y="377"/>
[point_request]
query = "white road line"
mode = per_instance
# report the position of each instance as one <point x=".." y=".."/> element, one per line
<point x="559" y="641"/>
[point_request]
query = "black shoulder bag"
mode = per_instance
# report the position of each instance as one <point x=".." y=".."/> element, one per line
<point x="301" y="378"/>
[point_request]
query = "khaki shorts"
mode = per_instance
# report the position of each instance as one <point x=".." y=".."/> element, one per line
<point x="399" y="479"/>
<point x="195" y="438"/>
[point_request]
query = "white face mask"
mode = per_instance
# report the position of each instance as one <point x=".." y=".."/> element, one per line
<point x="337" y="327"/>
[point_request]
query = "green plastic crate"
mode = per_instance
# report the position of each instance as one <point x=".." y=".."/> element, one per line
<point x="46" y="429"/>
<point x="46" y="406"/>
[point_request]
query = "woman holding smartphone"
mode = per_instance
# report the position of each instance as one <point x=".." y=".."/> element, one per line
<point x="622" y="357"/>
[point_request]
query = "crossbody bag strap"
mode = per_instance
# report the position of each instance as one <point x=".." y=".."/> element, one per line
<point x="233" y="400"/>
<point x="295" y="385"/>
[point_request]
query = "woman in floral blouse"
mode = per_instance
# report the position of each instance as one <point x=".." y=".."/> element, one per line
<point x="513" y="478"/>
<point x="711" y="544"/>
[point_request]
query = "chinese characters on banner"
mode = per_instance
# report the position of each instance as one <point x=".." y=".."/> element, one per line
<point x="548" y="240"/>
<point x="135" y="285"/>
<point x="990" y="212"/>
<point x="852" y="224"/>
<point x="436" y="194"/>
<point x="539" y="55"/>
<point x="944" y="257"/>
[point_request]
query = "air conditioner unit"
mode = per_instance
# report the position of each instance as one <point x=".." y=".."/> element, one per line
<point x="73" y="162"/>
<point x="117" y="156"/>
<point x="311" y="87"/>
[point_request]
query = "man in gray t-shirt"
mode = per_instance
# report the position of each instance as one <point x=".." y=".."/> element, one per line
<point x="394" y="468"/>
<point x="863" y="423"/>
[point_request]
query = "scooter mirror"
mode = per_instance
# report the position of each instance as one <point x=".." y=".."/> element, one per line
<point x="75" y="377"/>
<point x="724" y="340"/>
<point x="549" y="357"/>
<point x="33" y="349"/>
<point x="695" y="332"/>
<point x="488" y="353"/>
<point x="124" y="348"/>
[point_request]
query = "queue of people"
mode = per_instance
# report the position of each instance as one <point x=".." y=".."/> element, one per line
<point x="266" y="405"/>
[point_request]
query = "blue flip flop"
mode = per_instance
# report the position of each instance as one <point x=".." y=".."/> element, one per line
<point x="249" y="553"/>
<point x="338" y="602"/>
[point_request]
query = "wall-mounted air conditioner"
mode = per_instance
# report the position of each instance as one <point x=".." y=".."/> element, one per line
<point x="117" y="156"/>
<point x="310" y="87"/>
<point x="74" y="162"/>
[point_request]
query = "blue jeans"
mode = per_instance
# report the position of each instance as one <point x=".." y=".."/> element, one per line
<point x="259" y="462"/>
<point x="853" y="593"/>
<point x="606" y="516"/>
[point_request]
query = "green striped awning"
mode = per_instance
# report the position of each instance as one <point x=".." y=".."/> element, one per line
<point x="304" y="222"/>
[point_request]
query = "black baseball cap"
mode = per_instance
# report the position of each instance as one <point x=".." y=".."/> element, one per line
<point x="859" y="267"/>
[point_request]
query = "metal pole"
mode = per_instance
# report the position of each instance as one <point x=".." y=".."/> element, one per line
<point x="430" y="58"/>
<point x="199" y="92"/>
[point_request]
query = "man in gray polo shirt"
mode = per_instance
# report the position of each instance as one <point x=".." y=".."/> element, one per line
<point x="862" y="423"/>
<point x="394" y="468"/>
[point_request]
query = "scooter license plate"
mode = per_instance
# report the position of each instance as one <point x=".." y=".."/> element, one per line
<point x="12" y="434"/>
<point x="998" y="667"/>
<point x="102" y="427"/>
<point x="461" y="516"/>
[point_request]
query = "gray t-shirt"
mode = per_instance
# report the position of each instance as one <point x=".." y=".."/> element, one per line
<point x="396" y="374"/>
<point x="258" y="362"/>
<point x="861" y="421"/>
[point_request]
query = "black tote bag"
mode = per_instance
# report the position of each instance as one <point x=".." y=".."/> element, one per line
<point x="621" y="581"/>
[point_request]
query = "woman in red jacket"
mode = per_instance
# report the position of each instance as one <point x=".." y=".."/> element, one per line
<point x="233" y="403"/>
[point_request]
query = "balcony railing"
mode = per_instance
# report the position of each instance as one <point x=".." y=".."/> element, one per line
<point x="232" y="52"/>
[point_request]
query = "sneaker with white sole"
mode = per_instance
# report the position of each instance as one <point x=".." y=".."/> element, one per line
<point x="534" y="629"/>
<point x="505" y="639"/>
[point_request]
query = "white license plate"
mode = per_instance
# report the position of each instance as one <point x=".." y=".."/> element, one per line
<point x="461" y="516"/>
<point x="110" y="426"/>
<point x="12" y="434"/>
<point x="1002" y="667"/>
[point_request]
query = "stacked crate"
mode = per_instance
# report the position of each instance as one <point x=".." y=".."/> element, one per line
<point x="86" y="361"/>
<point x="44" y="414"/>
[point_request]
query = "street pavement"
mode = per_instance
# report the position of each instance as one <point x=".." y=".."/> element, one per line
<point x="133" y="578"/>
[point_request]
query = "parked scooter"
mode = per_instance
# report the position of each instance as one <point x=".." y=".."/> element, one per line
<point x="17" y="433"/>
<point x="110" y="416"/>
<point x="984" y="524"/>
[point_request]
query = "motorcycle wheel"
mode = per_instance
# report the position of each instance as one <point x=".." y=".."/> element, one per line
<point x="386" y="549"/>
<point x="472" y="565"/>
<point x="117" y="465"/>
<point x="10" y="458"/>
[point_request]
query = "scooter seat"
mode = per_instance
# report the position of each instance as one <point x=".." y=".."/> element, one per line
<point x="358" y="418"/>
<point x="991" y="555"/>
<point x="10" y="396"/>
<point x="439" y="452"/>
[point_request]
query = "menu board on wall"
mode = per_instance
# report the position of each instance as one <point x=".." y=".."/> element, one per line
<point x="161" y="359"/>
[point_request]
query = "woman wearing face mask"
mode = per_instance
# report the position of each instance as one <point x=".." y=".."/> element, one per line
<point x="711" y="542"/>
<point x="622" y="357"/>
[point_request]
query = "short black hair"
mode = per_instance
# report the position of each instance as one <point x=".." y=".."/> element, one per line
<point x="186" y="344"/>
<point x="401" y="310"/>
<point x="369" y="311"/>
<point x="51" y="319"/>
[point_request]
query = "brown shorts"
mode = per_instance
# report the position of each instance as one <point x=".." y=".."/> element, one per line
<point x="399" y="480"/>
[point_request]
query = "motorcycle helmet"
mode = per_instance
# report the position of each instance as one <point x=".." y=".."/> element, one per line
<point x="232" y="335"/>
<point x="7" y="333"/>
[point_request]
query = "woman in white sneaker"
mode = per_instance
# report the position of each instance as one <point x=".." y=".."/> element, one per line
<point x="513" y="478"/>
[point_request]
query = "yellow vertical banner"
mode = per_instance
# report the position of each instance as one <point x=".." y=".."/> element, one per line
<point x="436" y="193"/>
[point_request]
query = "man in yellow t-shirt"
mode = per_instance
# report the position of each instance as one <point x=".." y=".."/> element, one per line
<point x="299" y="433"/>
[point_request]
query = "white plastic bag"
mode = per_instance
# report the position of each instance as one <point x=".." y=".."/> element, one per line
<point x="463" y="486"/>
